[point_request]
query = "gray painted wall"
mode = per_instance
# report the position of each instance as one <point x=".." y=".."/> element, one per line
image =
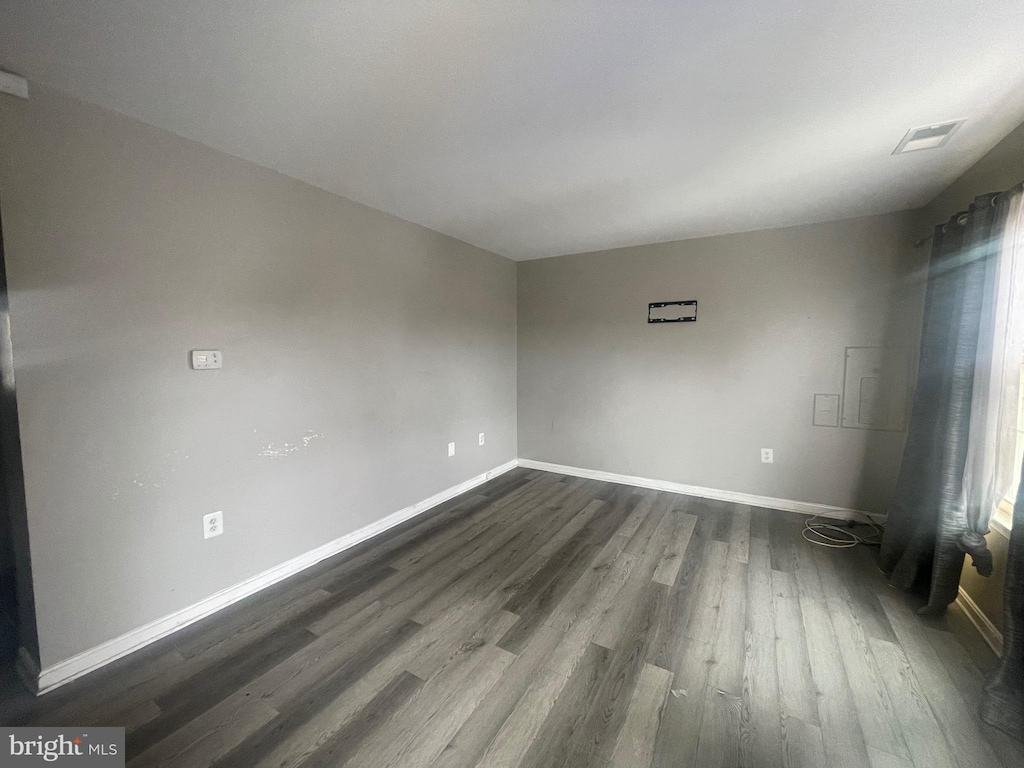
<point x="355" y="345"/>
<point x="599" y="388"/>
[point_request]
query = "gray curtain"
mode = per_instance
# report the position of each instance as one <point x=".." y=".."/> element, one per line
<point x="928" y="532"/>
<point x="1004" y="701"/>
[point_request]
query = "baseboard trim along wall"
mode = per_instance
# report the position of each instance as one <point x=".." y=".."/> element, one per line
<point x="64" y="672"/>
<point x="750" y="499"/>
<point x="988" y="631"/>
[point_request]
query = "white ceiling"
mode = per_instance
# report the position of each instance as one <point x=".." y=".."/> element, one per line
<point x="541" y="127"/>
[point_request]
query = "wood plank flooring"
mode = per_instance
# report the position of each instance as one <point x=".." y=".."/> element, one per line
<point x="542" y="620"/>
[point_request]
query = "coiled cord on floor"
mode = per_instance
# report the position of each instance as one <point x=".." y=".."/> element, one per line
<point x="836" y="534"/>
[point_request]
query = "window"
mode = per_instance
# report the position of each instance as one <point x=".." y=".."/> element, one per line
<point x="1002" y="520"/>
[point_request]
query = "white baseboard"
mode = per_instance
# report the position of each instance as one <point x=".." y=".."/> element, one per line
<point x="767" y="502"/>
<point x="981" y="622"/>
<point x="82" y="663"/>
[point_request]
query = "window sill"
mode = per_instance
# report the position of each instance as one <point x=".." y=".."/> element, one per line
<point x="1002" y="520"/>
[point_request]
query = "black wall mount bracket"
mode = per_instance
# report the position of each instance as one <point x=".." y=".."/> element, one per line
<point x="672" y="311"/>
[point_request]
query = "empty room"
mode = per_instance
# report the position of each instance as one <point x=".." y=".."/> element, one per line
<point x="527" y="384"/>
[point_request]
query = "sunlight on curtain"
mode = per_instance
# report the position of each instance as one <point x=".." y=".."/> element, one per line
<point x="992" y="469"/>
<point x="1003" y="517"/>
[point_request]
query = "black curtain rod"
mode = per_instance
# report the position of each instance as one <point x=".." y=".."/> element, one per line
<point x="963" y="214"/>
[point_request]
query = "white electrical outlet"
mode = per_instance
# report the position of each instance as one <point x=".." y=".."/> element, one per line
<point x="213" y="524"/>
<point x="481" y="438"/>
<point x="767" y="456"/>
<point x="451" y="449"/>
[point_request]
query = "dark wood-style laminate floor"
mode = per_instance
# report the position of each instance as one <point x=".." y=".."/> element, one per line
<point x="546" y="621"/>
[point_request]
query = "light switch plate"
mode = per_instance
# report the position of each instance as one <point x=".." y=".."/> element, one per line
<point x="206" y="359"/>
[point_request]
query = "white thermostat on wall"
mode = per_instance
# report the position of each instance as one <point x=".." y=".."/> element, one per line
<point x="205" y="359"/>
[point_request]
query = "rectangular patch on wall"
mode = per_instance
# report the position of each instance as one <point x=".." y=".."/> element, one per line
<point x="826" y="411"/>
<point x="876" y="386"/>
<point x="672" y="311"/>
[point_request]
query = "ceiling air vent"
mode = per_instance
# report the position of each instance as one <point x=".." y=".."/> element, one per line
<point x="927" y="137"/>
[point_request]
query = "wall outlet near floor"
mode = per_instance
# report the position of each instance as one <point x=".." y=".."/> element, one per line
<point x="481" y="438"/>
<point x="213" y="524"/>
<point x="451" y="449"/>
<point x="767" y="456"/>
